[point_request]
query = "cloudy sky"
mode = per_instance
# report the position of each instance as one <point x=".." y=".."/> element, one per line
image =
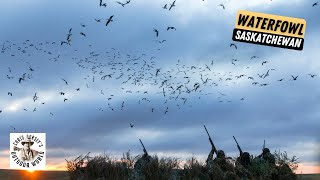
<point x="97" y="118"/>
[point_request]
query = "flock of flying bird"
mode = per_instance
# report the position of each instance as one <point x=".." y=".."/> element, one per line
<point x="176" y="85"/>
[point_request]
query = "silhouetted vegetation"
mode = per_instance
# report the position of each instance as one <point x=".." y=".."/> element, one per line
<point x="105" y="167"/>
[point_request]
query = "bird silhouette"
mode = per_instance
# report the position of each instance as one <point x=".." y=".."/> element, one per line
<point x="122" y="4"/>
<point x="102" y="4"/>
<point x="235" y="46"/>
<point x="13" y="128"/>
<point x="20" y="79"/>
<point x="162" y="41"/>
<point x="312" y="75"/>
<point x="165" y="6"/>
<point x="156" y="31"/>
<point x="254" y="57"/>
<point x="167" y="110"/>
<point x="172" y="5"/>
<point x="35" y="97"/>
<point x="261" y="76"/>
<point x="122" y="105"/>
<point x="315" y="4"/>
<point x="267" y="74"/>
<point x="234" y="60"/>
<point x="65" y="81"/>
<point x="109" y="20"/>
<point x="157" y="72"/>
<point x="68" y="40"/>
<point x="294" y="78"/>
<point x="196" y="86"/>
<point x="170" y="27"/>
<point x="222" y="6"/>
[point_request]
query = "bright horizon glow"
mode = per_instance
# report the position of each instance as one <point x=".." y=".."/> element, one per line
<point x="303" y="168"/>
<point x="30" y="171"/>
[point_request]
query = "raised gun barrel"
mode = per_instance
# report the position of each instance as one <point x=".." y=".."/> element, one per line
<point x="144" y="149"/>
<point x="214" y="148"/>
<point x="240" y="150"/>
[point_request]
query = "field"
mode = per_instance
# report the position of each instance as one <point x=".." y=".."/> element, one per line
<point x="63" y="175"/>
<point x="309" y="177"/>
<point x="36" y="175"/>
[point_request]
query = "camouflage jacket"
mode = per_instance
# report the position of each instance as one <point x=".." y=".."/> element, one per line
<point x="210" y="161"/>
<point x="269" y="158"/>
<point x="141" y="163"/>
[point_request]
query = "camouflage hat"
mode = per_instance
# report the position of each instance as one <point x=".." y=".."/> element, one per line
<point x="245" y="159"/>
<point x="246" y="155"/>
<point x="266" y="150"/>
<point x="220" y="154"/>
<point x="27" y="141"/>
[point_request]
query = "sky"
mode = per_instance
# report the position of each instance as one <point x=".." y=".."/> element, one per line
<point x="97" y="118"/>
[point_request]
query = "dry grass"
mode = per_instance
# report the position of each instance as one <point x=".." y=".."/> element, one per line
<point x="100" y="167"/>
<point x="105" y="167"/>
